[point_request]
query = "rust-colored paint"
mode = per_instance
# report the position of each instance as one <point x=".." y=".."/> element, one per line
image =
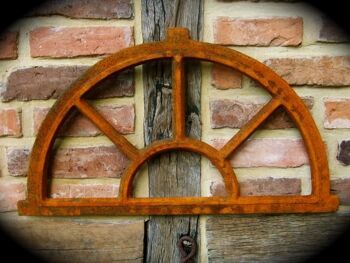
<point x="178" y="46"/>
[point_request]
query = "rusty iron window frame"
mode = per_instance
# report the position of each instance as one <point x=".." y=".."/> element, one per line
<point x="178" y="46"/>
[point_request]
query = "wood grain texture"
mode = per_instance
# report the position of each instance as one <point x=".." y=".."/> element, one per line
<point x="272" y="238"/>
<point x="172" y="174"/>
<point x="77" y="240"/>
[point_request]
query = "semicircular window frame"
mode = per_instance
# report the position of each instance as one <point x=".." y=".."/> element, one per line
<point x="178" y="46"/>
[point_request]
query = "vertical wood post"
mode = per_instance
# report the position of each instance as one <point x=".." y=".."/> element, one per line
<point x="176" y="173"/>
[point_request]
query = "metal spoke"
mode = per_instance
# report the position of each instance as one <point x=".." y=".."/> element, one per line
<point x="244" y="133"/>
<point x="179" y="98"/>
<point x="96" y="118"/>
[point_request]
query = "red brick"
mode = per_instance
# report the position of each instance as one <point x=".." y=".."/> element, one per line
<point x="261" y="187"/>
<point x="337" y="113"/>
<point x="109" y="9"/>
<point x="231" y="113"/>
<point x="17" y="160"/>
<point x="341" y="188"/>
<point x="8" y="45"/>
<point x="10" y="122"/>
<point x="79" y="41"/>
<point x="274" y="31"/>
<point x="225" y="78"/>
<point x="89" y="162"/>
<point x="343" y="154"/>
<point x="235" y="113"/>
<point x="319" y="71"/>
<point x="84" y="190"/>
<point x="268" y="152"/>
<point x="331" y="32"/>
<point x="41" y="83"/>
<point x="10" y="194"/>
<point x="121" y="117"/>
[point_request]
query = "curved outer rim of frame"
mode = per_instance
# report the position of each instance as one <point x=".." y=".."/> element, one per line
<point x="179" y="44"/>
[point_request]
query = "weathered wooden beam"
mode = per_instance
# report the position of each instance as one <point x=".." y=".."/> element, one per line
<point x="175" y="173"/>
<point x="79" y="240"/>
<point x="272" y="238"/>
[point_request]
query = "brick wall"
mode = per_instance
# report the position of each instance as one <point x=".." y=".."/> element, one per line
<point x="44" y="52"/>
<point x="311" y="53"/>
<point x="41" y="55"/>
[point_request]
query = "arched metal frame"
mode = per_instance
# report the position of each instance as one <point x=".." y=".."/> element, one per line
<point x="178" y="46"/>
